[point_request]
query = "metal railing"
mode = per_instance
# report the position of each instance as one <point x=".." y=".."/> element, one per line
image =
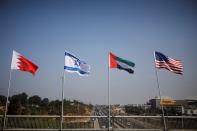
<point x="46" y="122"/>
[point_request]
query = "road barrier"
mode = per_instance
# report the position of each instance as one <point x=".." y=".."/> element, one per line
<point x="47" y="122"/>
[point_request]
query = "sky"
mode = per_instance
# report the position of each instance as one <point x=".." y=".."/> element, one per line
<point x="42" y="30"/>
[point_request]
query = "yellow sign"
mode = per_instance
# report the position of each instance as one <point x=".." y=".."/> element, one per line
<point x="167" y="102"/>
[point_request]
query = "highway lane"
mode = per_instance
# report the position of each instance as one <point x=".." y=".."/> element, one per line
<point x="118" y="123"/>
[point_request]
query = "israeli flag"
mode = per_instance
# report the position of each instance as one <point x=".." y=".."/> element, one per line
<point x="73" y="64"/>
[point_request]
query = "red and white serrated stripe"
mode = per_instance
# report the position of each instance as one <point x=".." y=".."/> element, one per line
<point x="15" y="60"/>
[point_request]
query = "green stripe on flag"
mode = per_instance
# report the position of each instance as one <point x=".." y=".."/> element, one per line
<point x="129" y="63"/>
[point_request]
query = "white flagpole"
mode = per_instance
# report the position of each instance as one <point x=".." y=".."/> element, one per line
<point x="182" y="109"/>
<point x="62" y="111"/>
<point x="109" y="91"/>
<point x="164" y="121"/>
<point x="6" y="107"/>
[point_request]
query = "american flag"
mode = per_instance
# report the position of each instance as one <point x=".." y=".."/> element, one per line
<point x="163" y="61"/>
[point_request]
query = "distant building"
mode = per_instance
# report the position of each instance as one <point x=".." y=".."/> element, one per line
<point x="155" y="102"/>
<point x="191" y="109"/>
<point x="186" y="106"/>
<point x="117" y="109"/>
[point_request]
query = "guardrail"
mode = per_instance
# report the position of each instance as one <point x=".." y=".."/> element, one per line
<point x="46" y="122"/>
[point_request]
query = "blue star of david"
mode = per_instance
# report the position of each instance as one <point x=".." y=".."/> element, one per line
<point x="77" y="63"/>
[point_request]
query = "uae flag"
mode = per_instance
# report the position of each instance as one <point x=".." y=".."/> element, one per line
<point x="21" y="63"/>
<point x="120" y="63"/>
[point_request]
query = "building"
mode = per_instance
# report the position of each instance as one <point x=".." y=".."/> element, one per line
<point x="177" y="107"/>
<point x="155" y="102"/>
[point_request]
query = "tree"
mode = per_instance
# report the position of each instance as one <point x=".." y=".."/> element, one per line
<point x="21" y="105"/>
<point x="134" y="110"/>
<point x="23" y="98"/>
<point x="2" y="100"/>
<point x="45" y="102"/>
<point x="35" y="100"/>
<point x="45" y="106"/>
<point x="15" y="106"/>
<point x="55" y="107"/>
<point x="2" y="104"/>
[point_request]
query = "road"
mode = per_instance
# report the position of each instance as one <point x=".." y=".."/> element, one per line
<point x="118" y="123"/>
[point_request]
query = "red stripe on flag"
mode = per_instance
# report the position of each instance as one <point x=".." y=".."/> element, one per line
<point x="112" y="61"/>
<point x="26" y="65"/>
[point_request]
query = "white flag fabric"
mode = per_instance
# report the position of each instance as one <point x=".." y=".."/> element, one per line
<point x="73" y="64"/>
<point x="15" y="60"/>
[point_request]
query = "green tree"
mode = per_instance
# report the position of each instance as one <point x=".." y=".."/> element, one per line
<point x="45" y="102"/>
<point x="45" y="106"/>
<point x="55" y="107"/>
<point x="2" y="104"/>
<point x="17" y="103"/>
<point x="2" y="100"/>
<point x="20" y="105"/>
<point x="134" y="110"/>
<point x="34" y="105"/>
<point x="35" y="100"/>
<point x="15" y="106"/>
